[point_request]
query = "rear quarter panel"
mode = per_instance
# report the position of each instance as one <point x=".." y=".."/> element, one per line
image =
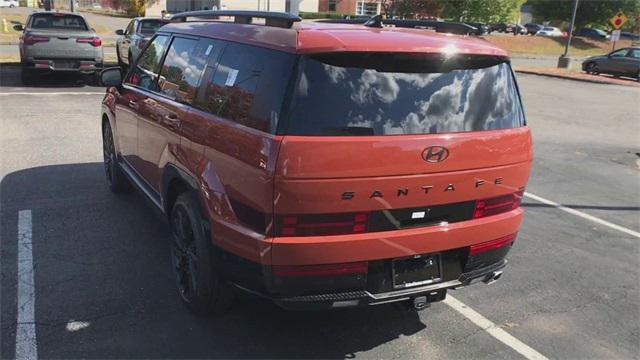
<point x="233" y="164"/>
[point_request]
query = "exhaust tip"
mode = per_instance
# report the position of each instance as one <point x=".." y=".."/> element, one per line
<point x="493" y="277"/>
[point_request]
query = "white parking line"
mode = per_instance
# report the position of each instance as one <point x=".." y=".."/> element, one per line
<point x="493" y="329"/>
<point x="583" y="215"/>
<point x="26" y="346"/>
<point x="50" y="93"/>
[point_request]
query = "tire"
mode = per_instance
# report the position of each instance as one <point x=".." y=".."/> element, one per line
<point x="121" y="63"/>
<point x="27" y="75"/>
<point x="202" y="290"/>
<point x="116" y="179"/>
<point x="592" y="68"/>
<point x="92" y="79"/>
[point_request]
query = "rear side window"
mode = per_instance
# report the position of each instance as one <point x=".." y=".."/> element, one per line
<point x="394" y="94"/>
<point x="182" y="69"/>
<point x="145" y="73"/>
<point x="58" y="22"/>
<point x="149" y="27"/>
<point x="248" y="86"/>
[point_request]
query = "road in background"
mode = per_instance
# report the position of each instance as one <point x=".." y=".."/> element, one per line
<point x="104" y="286"/>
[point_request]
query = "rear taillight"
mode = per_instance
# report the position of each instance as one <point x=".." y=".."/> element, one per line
<point x="321" y="270"/>
<point x="325" y="224"/>
<point x="33" y="39"/>
<point x="497" y="205"/>
<point x="94" y="41"/>
<point x="142" y="43"/>
<point x="492" y="245"/>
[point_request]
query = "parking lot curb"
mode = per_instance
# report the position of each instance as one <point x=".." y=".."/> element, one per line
<point x="593" y="81"/>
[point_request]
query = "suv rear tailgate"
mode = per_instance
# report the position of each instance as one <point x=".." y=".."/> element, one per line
<point x="62" y="45"/>
<point x="314" y="173"/>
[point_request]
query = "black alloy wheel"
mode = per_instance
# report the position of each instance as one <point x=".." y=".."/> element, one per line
<point x="202" y="289"/>
<point x="184" y="254"/>
<point x="115" y="178"/>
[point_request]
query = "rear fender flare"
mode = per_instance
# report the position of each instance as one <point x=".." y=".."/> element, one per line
<point x="171" y="173"/>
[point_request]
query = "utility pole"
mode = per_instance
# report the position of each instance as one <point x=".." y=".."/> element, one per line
<point x="294" y="7"/>
<point x="564" y="61"/>
<point x="72" y="5"/>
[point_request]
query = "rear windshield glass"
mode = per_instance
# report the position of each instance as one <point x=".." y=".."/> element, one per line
<point x="149" y="27"/>
<point x="402" y="94"/>
<point x="58" y="21"/>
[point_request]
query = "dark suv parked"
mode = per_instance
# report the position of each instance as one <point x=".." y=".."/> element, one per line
<point x="592" y="33"/>
<point x="321" y="165"/>
<point x="532" y="29"/>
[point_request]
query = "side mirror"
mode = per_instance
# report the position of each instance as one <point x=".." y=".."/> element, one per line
<point x="111" y="77"/>
<point x="119" y="32"/>
<point x="18" y="27"/>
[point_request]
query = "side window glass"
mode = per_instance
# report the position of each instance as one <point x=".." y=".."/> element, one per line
<point x="248" y="86"/>
<point x="145" y="73"/>
<point x="619" y="53"/>
<point x="130" y="27"/>
<point x="182" y="69"/>
<point x="634" y="53"/>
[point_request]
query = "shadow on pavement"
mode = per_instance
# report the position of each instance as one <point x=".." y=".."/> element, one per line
<point x="103" y="259"/>
<point x="10" y="77"/>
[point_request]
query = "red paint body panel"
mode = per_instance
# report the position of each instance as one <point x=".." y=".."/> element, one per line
<point x="237" y="163"/>
<point x="392" y="244"/>
<point x="311" y="37"/>
<point x="392" y="155"/>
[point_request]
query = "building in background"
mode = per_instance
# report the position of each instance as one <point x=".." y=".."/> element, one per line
<point x="154" y="7"/>
<point x="351" y="7"/>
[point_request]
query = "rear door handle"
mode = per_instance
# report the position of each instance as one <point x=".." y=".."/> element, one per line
<point x="133" y="104"/>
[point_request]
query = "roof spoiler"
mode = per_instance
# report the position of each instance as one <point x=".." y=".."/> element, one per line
<point x="275" y="19"/>
<point x="438" y="26"/>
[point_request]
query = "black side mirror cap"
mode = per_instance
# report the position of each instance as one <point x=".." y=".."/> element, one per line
<point x="111" y="77"/>
<point x="119" y="32"/>
<point x="18" y="27"/>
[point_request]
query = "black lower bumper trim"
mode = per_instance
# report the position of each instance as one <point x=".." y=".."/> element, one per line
<point x="470" y="277"/>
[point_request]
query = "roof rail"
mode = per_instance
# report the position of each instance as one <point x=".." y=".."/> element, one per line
<point x="276" y="19"/>
<point x="438" y="26"/>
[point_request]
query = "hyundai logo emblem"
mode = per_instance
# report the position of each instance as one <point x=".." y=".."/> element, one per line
<point x="434" y="154"/>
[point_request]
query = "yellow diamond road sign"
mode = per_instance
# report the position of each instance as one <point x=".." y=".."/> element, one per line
<point x="618" y="20"/>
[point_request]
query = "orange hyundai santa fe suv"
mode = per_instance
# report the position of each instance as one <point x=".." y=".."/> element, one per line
<point x="321" y="165"/>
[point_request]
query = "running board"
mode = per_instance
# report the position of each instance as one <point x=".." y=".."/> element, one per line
<point x="140" y="183"/>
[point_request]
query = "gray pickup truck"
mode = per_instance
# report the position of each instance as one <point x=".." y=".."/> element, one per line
<point x="58" y="41"/>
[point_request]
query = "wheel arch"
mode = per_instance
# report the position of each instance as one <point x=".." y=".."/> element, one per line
<point x="174" y="182"/>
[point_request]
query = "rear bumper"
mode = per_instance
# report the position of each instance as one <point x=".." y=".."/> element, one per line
<point x="64" y="65"/>
<point x="431" y="293"/>
<point x="393" y="244"/>
<point x="451" y="243"/>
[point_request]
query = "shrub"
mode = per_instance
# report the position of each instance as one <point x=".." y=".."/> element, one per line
<point x="322" y="15"/>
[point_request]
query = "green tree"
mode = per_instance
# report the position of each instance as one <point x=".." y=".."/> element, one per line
<point x="413" y="8"/>
<point x="132" y="7"/>
<point x="489" y="11"/>
<point x="590" y="12"/>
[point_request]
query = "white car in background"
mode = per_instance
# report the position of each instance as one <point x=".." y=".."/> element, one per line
<point x="550" y="31"/>
<point x="8" y="3"/>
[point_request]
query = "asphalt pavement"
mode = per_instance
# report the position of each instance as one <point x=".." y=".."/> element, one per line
<point x="104" y="286"/>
